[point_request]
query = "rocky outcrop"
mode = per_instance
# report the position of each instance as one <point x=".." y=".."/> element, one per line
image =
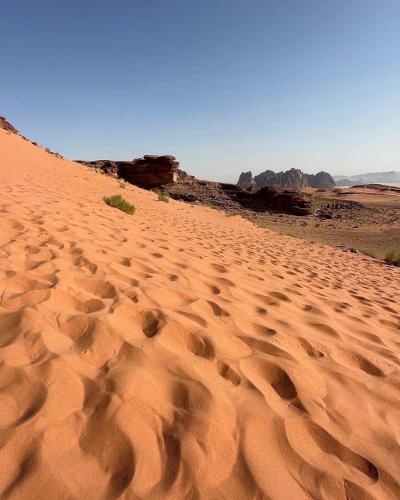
<point x="234" y="198"/>
<point x="291" y="179"/>
<point x="5" y="125"/>
<point x="107" y="167"/>
<point x="246" y="179"/>
<point x="163" y="173"/>
<point x="321" y="180"/>
<point x="149" y="172"/>
<point x="267" y="178"/>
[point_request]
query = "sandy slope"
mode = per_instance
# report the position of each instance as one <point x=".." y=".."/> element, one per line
<point x="180" y="353"/>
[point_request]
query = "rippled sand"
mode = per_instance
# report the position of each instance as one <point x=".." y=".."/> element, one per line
<point x="180" y="353"/>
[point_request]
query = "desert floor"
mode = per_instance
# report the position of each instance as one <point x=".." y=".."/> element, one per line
<point x="181" y="353"/>
<point x="373" y="229"/>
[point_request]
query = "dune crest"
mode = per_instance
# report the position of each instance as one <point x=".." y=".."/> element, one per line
<point x="180" y="353"/>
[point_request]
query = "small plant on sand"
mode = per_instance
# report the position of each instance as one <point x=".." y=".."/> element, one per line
<point x="117" y="201"/>
<point x="393" y="258"/>
<point x="163" y="196"/>
<point x="121" y="183"/>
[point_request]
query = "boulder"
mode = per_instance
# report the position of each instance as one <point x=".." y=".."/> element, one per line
<point x="149" y="172"/>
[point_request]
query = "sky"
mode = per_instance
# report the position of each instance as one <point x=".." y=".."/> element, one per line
<point x="224" y="85"/>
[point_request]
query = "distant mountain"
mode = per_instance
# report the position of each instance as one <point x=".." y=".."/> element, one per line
<point x="391" y="177"/>
<point x="291" y="179"/>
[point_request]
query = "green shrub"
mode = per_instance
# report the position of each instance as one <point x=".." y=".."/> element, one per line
<point x="117" y="201"/>
<point x="393" y="258"/>
<point x="163" y="196"/>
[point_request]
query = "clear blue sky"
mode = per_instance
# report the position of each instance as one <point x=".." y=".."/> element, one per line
<point x="224" y="85"/>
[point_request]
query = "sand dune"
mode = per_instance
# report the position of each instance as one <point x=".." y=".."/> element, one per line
<point x="180" y="353"/>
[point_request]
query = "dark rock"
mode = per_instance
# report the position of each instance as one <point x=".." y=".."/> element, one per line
<point x="246" y="179"/>
<point x="291" y="179"/>
<point x="149" y="172"/>
<point x="234" y="198"/>
<point x="333" y="209"/>
<point x="107" y="167"/>
<point x="321" y="180"/>
<point x="5" y="125"/>
<point x="267" y="178"/>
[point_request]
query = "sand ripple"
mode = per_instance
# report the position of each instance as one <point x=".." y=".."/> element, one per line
<point x="179" y="353"/>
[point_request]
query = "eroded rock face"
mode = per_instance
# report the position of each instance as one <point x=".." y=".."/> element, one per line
<point x="321" y="180"/>
<point x="246" y="179"/>
<point x="5" y="125"/>
<point x="291" y="179"/>
<point x="149" y="172"/>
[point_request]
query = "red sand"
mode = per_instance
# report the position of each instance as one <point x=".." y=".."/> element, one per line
<point x="180" y="353"/>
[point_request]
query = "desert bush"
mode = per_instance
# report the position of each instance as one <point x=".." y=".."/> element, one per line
<point x="121" y="183"/>
<point x="163" y="196"/>
<point x="393" y="258"/>
<point x="117" y="201"/>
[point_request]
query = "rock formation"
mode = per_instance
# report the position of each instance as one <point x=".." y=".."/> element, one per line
<point x="231" y="197"/>
<point x="291" y="179"/>
<point x="149" y="172"/>
<point x="4" y="124"/>
<point x="246" y="179"/>
<point x="163" y="173"/>
<point x="267" y="178"/>
<point x="321" y="180"/>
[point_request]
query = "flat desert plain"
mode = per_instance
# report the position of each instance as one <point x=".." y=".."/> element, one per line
<point x="180" y="353"/>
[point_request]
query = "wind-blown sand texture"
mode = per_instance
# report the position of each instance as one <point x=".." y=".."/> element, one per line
<point x="180" y="353"/>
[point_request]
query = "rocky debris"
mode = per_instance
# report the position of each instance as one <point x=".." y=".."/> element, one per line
<point x="107" y="167"/>
<point x="149" y="172"/>
<point x="246" y="179"/>
<point x="330" y="210"/>
<point x="291" y="179"/>
<point x="5" y="125"/>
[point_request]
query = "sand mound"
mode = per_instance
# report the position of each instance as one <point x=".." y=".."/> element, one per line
<point x="180" y="353"/>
